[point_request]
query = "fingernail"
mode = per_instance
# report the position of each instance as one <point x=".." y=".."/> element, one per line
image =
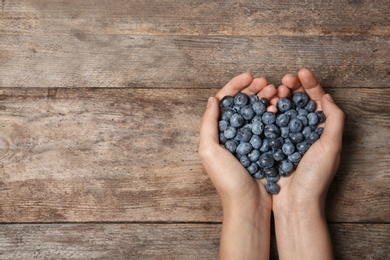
<point x="209" y="101"/>
<point x="329" y="98"/>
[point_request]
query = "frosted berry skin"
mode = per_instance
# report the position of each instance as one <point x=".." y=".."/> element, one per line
<point x="240" y="100"/>
<point x="247" y="112"/>
<point x="272" y="188"/>
<point x="237" y="120"/>
<point x="269" y="145"/>
<point x="283" y="104"/>
<point x="268" y="118"/>
<point x="300" y="99"/>
<point x="259" y="108"/>
<point x="227" y="102"/>
<point x="256" y="141"/>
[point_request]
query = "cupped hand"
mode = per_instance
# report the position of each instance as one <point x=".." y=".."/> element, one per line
<point x="232" y="181"/>
<point x="310" y="181"/>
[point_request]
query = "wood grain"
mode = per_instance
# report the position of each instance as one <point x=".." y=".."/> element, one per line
<point x="133" y="61"/>
<point x="80" y="155"/>
<point x="198" y="17"/>
<point x="162" y="241"/>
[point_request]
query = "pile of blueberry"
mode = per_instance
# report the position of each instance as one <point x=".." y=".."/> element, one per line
<point x="269" y="145"/>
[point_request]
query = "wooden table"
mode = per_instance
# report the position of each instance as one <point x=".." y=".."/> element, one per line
<point x="100" y="107"/>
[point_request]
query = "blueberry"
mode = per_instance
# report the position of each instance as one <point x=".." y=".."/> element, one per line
<point x="272" y="179"/>
<point x="313" y="119"/>
<point x="271" y="131"/>
<point x="227" y="114"/>
<point x="254" y="155"/>
<point x="313" y="137"/>
<point x="319" y="131"/>
<point x="286" y="167"/>
<point x="271" y="172"/>
<point x="247" y="112"/>
<point x="303" y="119"/>
<point x="275" y="143"/>
<point x="306" y="131"/>
<point x="296" y="137"/>
<point x="244" y="134"/>
<point x="265" y="146"/>
<point x="284" y="131"/>
<point x="230" y="132"/>
<point x="292" y="113"/>
<point x="253" y="99"/>
<point x="321" y="116"/>
<point x="240" y="100"/>
<point x="295" y="157"/>
<point x="231" y="145"/>
<point x="279" y="155"/>
<point x="259" y="108"/>
<point x="223" y="125"/>
<point x="237" y="120"/>
<point x="303" y="112"/>
<point x="245" y="161"/>
<point x="226" y="102"/>
<point x="266" y="160"/>
<point x="272" y="188"/>
<point x="295" y="125"/>
<point x="282" y="120"/>
<point x="302" y="147"/>
<point x="311" y="106"/>
<point x="256" y="141"/>
<point x="264" y="101"/>
<point x="268" y="118"/>
<point x="222" y="138"/>
<point x="257" y="127"/>
<point x="253" y="168"/>
<point x="243" y="148"/>
<point x="300" y="99"/>
<point x="259" y="174"/>
<point x="288" y="148"/>
<point x="256" y="118"/>
<point x="283" y="104"/>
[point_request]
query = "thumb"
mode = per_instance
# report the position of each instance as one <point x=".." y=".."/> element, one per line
<point x="209" y="126"/>
<point x="334" y="124"/>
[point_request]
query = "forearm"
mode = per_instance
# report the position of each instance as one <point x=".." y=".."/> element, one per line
<point x="245" y="233"/>
<point x="302" y="234"/>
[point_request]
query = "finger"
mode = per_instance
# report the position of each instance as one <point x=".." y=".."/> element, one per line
<point x="283" y="91"/>
<point x="292" y="83"/>
<point x="256" y="86"/>
<point x="334" y="124"/>
<point x="235" y="85"/>
<point x="209" y="125"/>
<point x="311" y="85"/>
<point x="269" y="92"/>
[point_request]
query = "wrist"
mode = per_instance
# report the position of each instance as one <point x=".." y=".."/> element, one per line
<point x="301" y="232"/>
<point x="245" y="231"/>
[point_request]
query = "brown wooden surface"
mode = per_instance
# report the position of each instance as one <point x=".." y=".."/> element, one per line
<point x="131" y="155"/>
<point x="100" y="106"/>
<point x="162" y="241"/>
<point x="138" y="61"/>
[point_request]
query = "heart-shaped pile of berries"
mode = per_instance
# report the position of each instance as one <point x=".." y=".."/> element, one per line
<point x="269" y="145"/>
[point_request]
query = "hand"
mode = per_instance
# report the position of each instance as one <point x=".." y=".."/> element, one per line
<point x="246" y="204"/>
<point x="299" y="207"/>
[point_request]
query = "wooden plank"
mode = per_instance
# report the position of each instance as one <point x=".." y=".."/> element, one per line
<point x="163" y="241"/>
<point x="88" y="60"/>
<point x="76" y="155"/>
<point x="187" y="17"/>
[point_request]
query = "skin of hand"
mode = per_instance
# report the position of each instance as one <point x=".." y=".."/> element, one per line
<point x="300" y="223"/>
<point x="245" y="202"/>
